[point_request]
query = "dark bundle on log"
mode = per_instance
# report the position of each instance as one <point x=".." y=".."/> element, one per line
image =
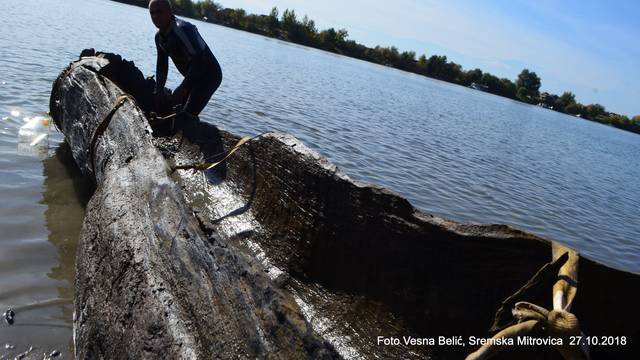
<point x="149" y="283"/>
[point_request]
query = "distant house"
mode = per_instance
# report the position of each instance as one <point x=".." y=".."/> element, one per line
<point x="547" y="100"/>
<point x="545" y="96"/>
<point x="612" y="114"/>
<point x="480" y="87"/>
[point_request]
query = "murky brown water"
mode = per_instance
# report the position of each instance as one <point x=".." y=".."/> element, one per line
<point x="37" y="258"/>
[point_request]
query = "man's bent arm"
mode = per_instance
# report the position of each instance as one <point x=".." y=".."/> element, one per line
<point x="196" y="46"/>
<point x="162" y="68"/>
<point x="196" y="70"/>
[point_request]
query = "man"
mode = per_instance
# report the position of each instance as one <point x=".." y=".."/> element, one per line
<point x="181" y="41"/>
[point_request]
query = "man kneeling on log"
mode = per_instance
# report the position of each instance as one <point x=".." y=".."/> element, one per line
<point x="181" y="41"/>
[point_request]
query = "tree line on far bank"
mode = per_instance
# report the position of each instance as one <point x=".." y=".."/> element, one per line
<point x="288" y="26"/>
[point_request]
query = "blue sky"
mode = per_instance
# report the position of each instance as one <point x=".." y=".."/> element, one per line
<point x="589" y="47"/>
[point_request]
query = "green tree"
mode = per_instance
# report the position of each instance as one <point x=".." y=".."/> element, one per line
<point x="435" y="64"/>
<point x="619" y="121"/>
<point x="274" y="12"/>
<point x="387" y="55"/>
<point x="530" y="81"/>
<point x="327" y="39"/>
<point x="549" y="99"/>
<point x="342" y="35"/>
<point x="439" y="68"/>
<point x="295" y="29"/>
<point x="273" y="21"/>
<point x="184" y="7"/>
<point x="522" y="94"/>
<point x="331" y="39"/>
<point x="594" y="110"/>
<point x="421" y="65"/>
<point x="507" y="88"/>
<point x="309" y="25"/>
<point x="574" y="109"/>
<point x="567" y="98"/>
<point x="352" y="48"/>
<point x="407" y="60"/>
<point x="289" y="20"/>
<point x="471" y="76"/>
<point x="492" y="82"/>
<point x="207" y="9"/>
<point x="237" y="17"/>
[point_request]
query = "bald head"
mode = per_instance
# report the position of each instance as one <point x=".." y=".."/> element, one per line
<point x="161" y="14"/>
<point x="166" y="3"/>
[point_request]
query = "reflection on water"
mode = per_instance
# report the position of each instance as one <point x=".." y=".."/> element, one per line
<point x="42" y="289"/>
<point x="66" y="193"/>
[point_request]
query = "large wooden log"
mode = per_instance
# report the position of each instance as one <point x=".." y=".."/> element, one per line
<point x="150" y="283"/>
<point x="359" y="260"/>
<point x="435" y="276"/>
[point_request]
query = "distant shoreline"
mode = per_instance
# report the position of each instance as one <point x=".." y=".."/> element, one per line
<point x="289" y="28"/>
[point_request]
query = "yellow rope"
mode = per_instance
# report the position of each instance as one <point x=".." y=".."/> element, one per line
<point x="102" y="126"/>
<point x="207" y="166"/>
<point x="153" y="116"/>
<point x="200" y="166"/>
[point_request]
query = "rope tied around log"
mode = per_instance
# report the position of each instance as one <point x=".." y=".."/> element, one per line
<point x="55" y="104"/>
<point x="210" y="165"/>
<point x="559" y="323"/>
<point x="102" y="126"/>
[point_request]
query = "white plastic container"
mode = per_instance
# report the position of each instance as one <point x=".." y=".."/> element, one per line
<point x="33" y="137"/>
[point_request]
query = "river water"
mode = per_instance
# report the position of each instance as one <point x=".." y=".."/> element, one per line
<point x="452" y="151"/>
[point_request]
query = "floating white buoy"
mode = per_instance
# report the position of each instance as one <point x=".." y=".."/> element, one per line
<point x="38" y="139"/>
<point x="15" y="113"/>
<point x="33" y="137"/>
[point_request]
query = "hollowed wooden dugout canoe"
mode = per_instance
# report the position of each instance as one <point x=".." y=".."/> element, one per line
<point x="278" y="254"/>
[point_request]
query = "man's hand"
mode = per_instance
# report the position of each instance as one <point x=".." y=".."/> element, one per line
<point x="160" y="100"/>
<point x="179" y="96"/>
